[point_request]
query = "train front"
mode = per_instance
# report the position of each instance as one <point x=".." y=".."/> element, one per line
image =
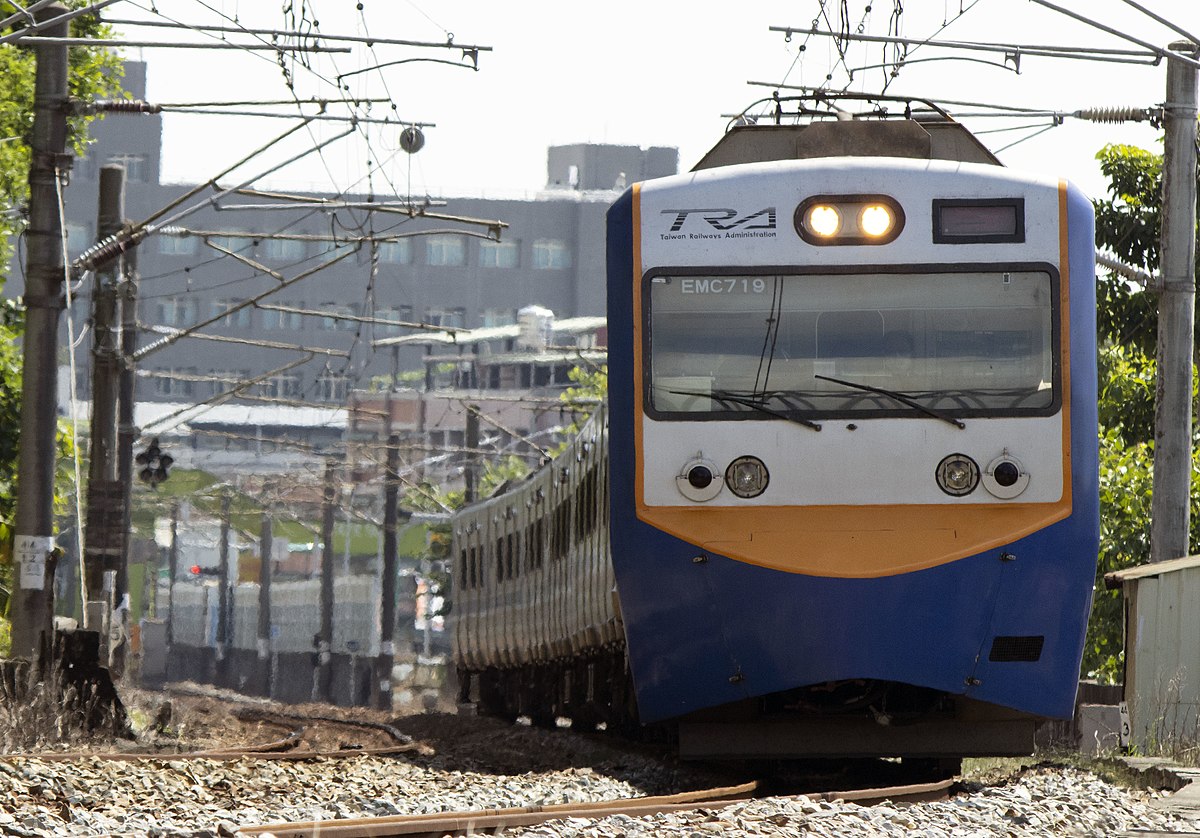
<point x="854" y="458"/>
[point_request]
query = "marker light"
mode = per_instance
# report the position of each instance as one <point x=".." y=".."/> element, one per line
<point x="747" y="477"/>
<point x="875" y="220"/>
<point x="697" y="480"/>
<point x="957" y="475"/>
<point x="824" y="220"/>
<point x="1005" y="477"/>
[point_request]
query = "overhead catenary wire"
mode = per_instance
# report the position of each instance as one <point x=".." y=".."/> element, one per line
<point x="1159" y="51"/>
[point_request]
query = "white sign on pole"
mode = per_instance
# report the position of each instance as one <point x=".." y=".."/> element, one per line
<point x="30" y="552"/>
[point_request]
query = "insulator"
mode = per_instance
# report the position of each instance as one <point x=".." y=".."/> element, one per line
<point x="101" y="253"/>
<point x="1114" y="114"/>
<point x="125" y="106"/>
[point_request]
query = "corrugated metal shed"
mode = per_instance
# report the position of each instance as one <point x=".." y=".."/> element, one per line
<point x="1162" y="650"/>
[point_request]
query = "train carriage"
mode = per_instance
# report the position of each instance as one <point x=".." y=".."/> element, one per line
<point x="852" y="449"/>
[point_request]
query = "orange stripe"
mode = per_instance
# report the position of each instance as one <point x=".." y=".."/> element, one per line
<point x="1064" y="331"/>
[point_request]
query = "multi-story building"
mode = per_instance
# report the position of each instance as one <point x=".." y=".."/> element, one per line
<point x="322" y="328"/>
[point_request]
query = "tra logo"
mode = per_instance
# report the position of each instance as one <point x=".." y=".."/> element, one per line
<point x="723" y="219"/>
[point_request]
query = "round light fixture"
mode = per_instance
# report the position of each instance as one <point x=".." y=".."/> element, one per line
<point x="698" y="480"/>
<point x="957" y="475"/>
<point x="824" y="220"/>
<point x="1005" y="477"/>
<point x="747" y="477"/>
<point x="875" y="220"/>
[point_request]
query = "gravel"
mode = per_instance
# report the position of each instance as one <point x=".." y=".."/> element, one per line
<point x="481" y="763"/>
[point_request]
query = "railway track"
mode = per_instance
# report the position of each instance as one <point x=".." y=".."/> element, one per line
<point x="492" y="820"/>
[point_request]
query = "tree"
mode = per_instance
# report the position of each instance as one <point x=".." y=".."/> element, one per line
<point x="94" y="73"/>
<point x="1127" y="223"/>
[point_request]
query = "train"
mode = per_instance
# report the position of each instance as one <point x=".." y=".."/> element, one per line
<point x="842" y="500"/>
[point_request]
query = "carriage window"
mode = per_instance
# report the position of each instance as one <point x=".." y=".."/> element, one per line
<point x="974" y="343"/>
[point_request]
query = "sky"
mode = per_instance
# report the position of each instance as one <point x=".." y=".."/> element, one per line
<point x="633" y="73"/>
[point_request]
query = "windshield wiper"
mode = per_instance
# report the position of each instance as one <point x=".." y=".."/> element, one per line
<point x="900" y="397"/>
<point x="727" y="398"/>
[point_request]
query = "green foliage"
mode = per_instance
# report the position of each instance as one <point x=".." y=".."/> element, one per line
<point x="1128" y="223"/>
<point x="1127" y="384"/>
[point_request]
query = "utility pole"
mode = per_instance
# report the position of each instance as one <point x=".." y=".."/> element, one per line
<point x="173" y="563"/>
<point x="1170" y="511"/>
<point x="33" y="598"/>
<point x="224" y="609"/>
<point x="471" y="475"/>
<point x="265" y="548"/>
<point x="325" y="638"/>
<point x="105" y="518"/>
<point x="127" y="432"/>
<point x="387" y="605"/>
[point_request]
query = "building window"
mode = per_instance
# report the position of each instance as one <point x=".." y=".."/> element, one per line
<point x="284" y="320"/>
<point x="224" y="381"/>
<point x="551" y="254"/>
<point x="332" y="387"/>
<point x="398" y="252"/>
<point x="497" y="317"/>
<point x="280" y="387"/>
<point x="392" y="316"/>
<point x="179" y="312"/>
<point x="174" y="382"/>
<point x="283" y="250"/>
<point x="238" y="244"/>
<point x="243" y="318"/>
<point x="340" y="317"/>
<point x="332" y="248"/>
<point x="499" y="254"/>
<point x="446" y="251"/>
<point x="136" y="165"/>
<point x="447" y="318"/>
<point x="176" y="245"/>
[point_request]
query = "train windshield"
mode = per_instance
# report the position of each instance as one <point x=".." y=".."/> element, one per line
<point x="971" y="343"/>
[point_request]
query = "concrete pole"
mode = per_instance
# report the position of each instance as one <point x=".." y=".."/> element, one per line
<point x="265" y="547"/>
<point x="127" y="432"/>
<point x="33" y="599"/>
<point x="224" y="609"/>
<point x="387" y="605"/>
<point x="172" y="567"/>
<point x="1170" y="516"/>
<point x="325" y="638"/>
<point x="104" y="517"/>
<point x="471" y="474"/>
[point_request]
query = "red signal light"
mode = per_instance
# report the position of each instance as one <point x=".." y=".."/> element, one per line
<point x="195" y="570"/>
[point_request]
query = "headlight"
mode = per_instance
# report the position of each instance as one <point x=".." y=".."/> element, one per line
<point x="875" y="220"/>
<point x="747" y="477"/>
<point x="957" y="475"/>
<point x="824" y="220"/>
<point x="848" y="219"/>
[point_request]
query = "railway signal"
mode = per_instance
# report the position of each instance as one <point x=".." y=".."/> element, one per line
<point x="155" y="464"/>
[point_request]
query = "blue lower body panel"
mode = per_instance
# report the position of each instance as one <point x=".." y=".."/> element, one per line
<point x="702" y="634"/>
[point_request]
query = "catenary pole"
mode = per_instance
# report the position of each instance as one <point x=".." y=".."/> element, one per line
<point x="325" y="637"/>
<point x="34" y="522"/>
<point x="104" y="517"/>
<point x="265" y="551"/>
<point x="127" y="432"/>
<point x="387" y="610"/>
<point x="1176" y="311"/>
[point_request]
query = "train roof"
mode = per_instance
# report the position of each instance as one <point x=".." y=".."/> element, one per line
<point x="918" y="139"/>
